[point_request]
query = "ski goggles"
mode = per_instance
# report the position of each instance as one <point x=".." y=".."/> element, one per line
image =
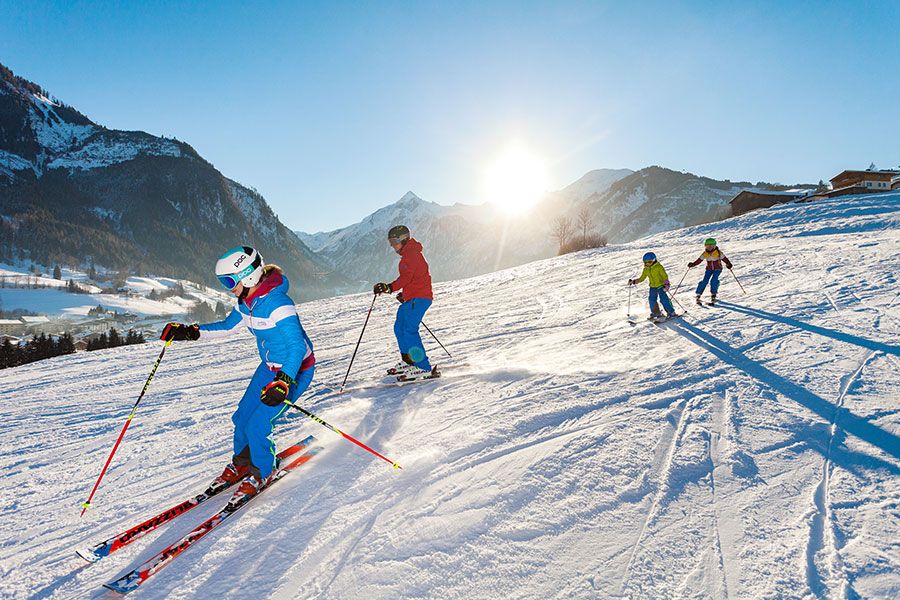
<point x="231" y="281"/>
<point x="395" y="241"/>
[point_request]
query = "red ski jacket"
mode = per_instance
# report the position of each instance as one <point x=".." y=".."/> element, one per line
<point x="415" y="279"/>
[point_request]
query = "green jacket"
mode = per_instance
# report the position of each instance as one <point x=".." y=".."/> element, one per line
<point x="657" y="275"/>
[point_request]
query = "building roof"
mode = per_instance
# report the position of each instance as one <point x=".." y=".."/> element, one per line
<point x="11" y="322"/>
<point x="882" y="173"/>
<point x="779" y="193"/>
<point x="35" y="320"/>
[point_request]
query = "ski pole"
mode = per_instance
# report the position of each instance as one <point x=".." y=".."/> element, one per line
<point x="738" y="281"/>
<point x="435" y="339"/>
<point x="628" y="311"/>
<point x="679" y="283"/>
<point x="87" y="503"/>
<point x="679" y="304"/>
<point x="369" y="314"/>
<point x="400" y="300"/>
<point x="336" y="430"/>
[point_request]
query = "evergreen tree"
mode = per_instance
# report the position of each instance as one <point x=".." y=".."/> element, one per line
<point x="57" y="273"/>
<point x="66" y="345"/>
<point x="114" y="338"/>
<point x="9" y="354"/>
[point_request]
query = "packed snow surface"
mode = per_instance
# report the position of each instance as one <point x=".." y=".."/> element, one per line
<point x="748" y="450"/>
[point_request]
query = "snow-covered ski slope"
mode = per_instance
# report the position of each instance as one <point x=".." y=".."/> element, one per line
<point x="749" y="450"/>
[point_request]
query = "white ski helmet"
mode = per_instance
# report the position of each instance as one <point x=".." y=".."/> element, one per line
<point x="240" y="265"/>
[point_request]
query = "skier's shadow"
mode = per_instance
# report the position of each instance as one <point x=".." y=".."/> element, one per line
<point x="835" y="335"/>
<point x="849" y="422"/>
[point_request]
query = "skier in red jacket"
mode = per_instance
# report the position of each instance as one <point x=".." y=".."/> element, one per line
<point x="416" y="298"/>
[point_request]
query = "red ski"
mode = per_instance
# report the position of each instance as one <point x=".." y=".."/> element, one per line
<point x="134" y="579"/>
<point x="119" y="541"/>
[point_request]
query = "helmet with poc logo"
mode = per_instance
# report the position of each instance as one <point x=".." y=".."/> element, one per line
<point x="240" y="265"/>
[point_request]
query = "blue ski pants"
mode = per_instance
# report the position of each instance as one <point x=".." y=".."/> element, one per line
<point x="712" y="278"/>
<point x="406" y="328"/>
<point x="660" y="293"/>
<point x="254" y="421"/>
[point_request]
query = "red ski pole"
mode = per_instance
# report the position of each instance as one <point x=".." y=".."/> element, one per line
<point x="87" y="503"/>
<point x="336" y="430"/>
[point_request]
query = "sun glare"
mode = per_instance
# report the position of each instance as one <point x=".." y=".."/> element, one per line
<point x="516" y="181"/>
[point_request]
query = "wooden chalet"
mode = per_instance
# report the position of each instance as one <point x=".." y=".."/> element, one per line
<point x="748" y="200"/>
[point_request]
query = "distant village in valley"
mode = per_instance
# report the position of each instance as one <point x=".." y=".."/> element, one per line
<point x="64" y="311"/>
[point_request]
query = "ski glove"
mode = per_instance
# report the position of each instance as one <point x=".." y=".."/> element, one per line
<point x="180" y="332"/>
<point x="666" y="285"/>
<point x="400" y="297"/>
<point x="277" y="392"/>
<point x="382" y="288"/>
<point x="632" y="281"/>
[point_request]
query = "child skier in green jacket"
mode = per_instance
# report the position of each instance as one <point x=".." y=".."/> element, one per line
<point x="659" y="285"/>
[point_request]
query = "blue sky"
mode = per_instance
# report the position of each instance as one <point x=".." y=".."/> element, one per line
<point x="332" y="110"/>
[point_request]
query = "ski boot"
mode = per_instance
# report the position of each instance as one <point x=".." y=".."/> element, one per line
<point x="418" y="373"/>
<point x="230" y="475"/>
<point x="699" y="302"/>
<point x="712" y="299"/>
<point x="250" y="486"/>
<point x="655" y="316"/>
<point x="401" y="368"/>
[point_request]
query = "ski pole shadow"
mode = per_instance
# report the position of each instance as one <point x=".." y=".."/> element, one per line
<point x="846" y="420"/>
<point x="831" y="333"/>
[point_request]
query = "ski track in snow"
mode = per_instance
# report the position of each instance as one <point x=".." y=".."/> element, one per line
<point x="748" y="450"/>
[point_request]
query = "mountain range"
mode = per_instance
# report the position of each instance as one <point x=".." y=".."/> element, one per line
<point x="72" y="191"/>
<point x="467" y="240"/>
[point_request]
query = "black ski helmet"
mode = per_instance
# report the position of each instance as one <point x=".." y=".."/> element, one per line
<point x="399" y="232"/>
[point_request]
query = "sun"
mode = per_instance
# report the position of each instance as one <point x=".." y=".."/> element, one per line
<point x="516" y="181"/>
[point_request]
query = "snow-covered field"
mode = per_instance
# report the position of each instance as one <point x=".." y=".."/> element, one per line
<point x="51" y="299"/>
<point x="747" y="451"/>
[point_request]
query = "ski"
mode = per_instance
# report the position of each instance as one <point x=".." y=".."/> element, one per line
<point x="135" y="578"/>
<point x="400" y="382"/>
<point x="665" y="319"/>
<point x="117" y="542"/>
<point x="387" y="384"/>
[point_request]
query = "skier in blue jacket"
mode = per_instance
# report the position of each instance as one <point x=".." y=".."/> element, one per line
<point x="286" y="352"/>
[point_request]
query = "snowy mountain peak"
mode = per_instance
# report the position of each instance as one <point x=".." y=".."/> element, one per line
<point x="40" y="133"/>
<point x="409" y="198"/>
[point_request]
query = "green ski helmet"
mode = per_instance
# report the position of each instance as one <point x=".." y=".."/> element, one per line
<point x="710" y="242"/>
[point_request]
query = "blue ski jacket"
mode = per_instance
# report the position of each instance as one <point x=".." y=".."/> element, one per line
<point x="271" y="316"/>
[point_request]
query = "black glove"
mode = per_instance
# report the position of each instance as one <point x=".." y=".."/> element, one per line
<point x="631" y="282"/>
<point x="400" y="297"/>
<point x="180" y="332"/>
<point x="277" y="392"/>
<point x="382" y="288"/>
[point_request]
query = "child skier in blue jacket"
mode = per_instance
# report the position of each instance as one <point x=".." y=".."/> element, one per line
<point x="286" y="353"/>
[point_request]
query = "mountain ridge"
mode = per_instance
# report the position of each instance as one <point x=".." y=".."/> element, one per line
<point x="73" y="191"/>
